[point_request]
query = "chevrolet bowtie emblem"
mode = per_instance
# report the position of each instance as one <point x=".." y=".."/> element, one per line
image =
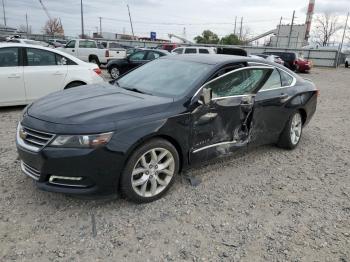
<point x="22" y="134"/>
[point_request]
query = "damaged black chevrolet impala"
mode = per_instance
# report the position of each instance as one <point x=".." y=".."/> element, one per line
<point x="133" y="136"/>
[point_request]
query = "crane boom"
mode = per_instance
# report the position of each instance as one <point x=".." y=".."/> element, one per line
<point x="181" y="38"/>
<point x="45" y="9"/>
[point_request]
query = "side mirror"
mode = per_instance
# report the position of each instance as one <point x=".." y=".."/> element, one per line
<point x="206" y="96"/>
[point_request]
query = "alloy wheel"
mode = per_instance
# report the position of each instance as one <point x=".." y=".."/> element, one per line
<point x="295" y="130"/>
<point x="153" y="172"/>
<point x="115" y="73"/>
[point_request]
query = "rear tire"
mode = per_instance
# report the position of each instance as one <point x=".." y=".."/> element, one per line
<point x="114" y="72"/>
<point x="94" y="60"/>
<point x="291" y="134"/>
<point x="346" y="64"/>
<point x="150" y="171"/>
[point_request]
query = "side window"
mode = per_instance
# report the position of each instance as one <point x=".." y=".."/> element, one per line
<point x="137" y="56"/>
<point x="287" y="80"/>
<point x="87" y="44"/>
<point x="203" y="51"/>
<point x="245" y="81"/>
<point x="178" y="51"/>
<point x="273" y="82"/>
<point x="190" y="51"/>
<point x="71" y="44"/>
<point x="62" y="60"/>
<point x="152" y="55"/>
<point x="38" y="57"/>
<point x="9" y="57"/>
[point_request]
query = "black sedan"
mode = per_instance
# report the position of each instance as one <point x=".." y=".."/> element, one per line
<point x="173" y="113"/>
<point x="118" y="67"/>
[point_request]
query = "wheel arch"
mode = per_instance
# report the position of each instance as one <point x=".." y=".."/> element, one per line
<point x="166" y="137"/>
<point x="74" y="81"/>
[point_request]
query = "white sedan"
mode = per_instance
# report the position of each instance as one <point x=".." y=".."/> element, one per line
<point x="28" y="72"/>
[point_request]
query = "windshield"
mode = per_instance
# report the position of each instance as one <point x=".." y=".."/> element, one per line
<point x="165" y="77"/>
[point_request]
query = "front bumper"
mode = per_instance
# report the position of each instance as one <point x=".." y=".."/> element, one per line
<point x="73" y="171"/>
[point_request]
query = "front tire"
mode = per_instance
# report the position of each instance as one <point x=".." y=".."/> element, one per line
<point x="292" y="132"/>
<point x="150" y="171"/>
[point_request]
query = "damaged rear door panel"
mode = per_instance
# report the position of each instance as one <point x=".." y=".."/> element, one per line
<point x="224" y="125"/>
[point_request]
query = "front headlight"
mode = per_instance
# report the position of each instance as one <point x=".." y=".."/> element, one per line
<point x="85" y="141"/>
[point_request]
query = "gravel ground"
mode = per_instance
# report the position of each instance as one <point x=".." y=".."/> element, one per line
<point x="264" y="205"/>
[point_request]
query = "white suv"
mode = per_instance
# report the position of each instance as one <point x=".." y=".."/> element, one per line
<point x="194" y="50"/>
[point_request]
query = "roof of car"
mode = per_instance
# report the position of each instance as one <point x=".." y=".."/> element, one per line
<point x="213" y="59"/>
<point x="7" y="44"/>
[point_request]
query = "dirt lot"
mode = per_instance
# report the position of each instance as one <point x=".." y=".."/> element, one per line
<point x="265" y="205"/>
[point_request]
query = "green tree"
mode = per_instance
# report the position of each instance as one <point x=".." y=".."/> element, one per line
<point x="207" y="37"/>
<point x="230" y="39"/>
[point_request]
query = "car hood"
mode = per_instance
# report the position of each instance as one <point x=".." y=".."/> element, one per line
<point x="95" y="104"/>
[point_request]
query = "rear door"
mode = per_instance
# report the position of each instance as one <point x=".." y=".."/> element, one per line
<point x="270" y="110"/>
<point x="224" y="125"/>
<point x="12" y="90"/>
<point x="44" y="73"/>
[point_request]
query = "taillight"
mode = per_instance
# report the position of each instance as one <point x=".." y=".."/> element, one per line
<point x="98" y="71"/>
<point x="107" y="53"/>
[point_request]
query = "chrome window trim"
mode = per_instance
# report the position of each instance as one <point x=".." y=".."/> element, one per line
<point x="231" y="72"/>
<point x="225" y="97"/>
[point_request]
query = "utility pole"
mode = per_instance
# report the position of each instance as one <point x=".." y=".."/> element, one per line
<point x="82" y="19"/>
<point x="27" y="25"/>
<point x="278" y="32"/>
<point x="342" y="41"/>
<point x="291" y="29"/>
<point x="235" y="25"/>
<point x="240" y="32"/>
<point x="100" y="26"/>
<point x="3" y="9"/>
<point x="132" y="28"/>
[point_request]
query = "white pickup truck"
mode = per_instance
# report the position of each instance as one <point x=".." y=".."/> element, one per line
<point x="91" y="51"/>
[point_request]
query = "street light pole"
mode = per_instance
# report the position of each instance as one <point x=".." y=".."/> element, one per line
<point x="132" y="28"/>
<point x="342" y="41"/>
<point x="291" y="29"/>
<point x="82" y="19"/>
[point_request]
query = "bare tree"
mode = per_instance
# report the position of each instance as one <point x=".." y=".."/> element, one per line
<point x="326" y="25"/>
<point x="23" y="28"/>
<point x="53" y="27"/>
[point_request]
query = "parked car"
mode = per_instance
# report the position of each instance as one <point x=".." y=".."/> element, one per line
<point x="168" y="47"/>
<point x="170" y="114"/>
<point x="88" y="51"/>
<point x="29" y="72"/>
<point x="194" y="50"/>
<point x="57" y="42"/>
<point x="347" y="61"/>
<point x="271" y="58"/>
<point x="115" y="46"/>
<point x="293" y="61"/>
<point x="231" y="51"/>
<point x="118" y="67"/>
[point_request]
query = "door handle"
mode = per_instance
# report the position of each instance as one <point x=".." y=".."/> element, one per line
<point x="58" y="73"/>
<point x="73" y="50"/>
<point x="14" y="76"/>
<point x="284" y="96"/>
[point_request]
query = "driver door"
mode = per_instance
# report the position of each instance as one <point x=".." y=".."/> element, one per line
<point x="223" y="125"/>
